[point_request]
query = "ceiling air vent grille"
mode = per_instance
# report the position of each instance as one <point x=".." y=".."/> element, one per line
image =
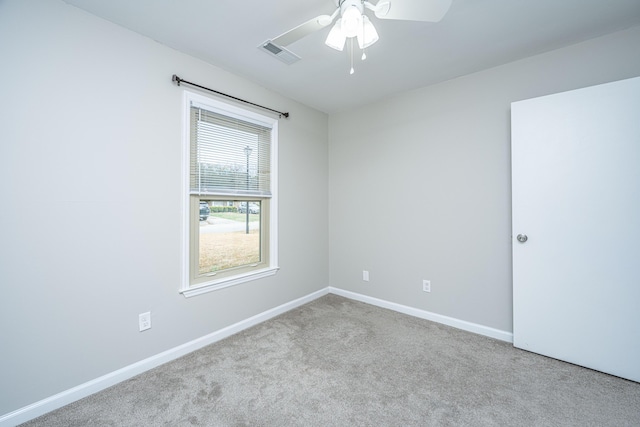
<point x="279" y="52"/>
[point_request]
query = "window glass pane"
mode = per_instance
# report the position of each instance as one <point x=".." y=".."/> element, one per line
<point x="229" y="234"/>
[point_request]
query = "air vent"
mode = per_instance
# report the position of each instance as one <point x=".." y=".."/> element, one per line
<point x="279" y="52"/>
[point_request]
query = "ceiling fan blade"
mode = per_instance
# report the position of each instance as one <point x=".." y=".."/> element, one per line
<point x="303" y="30"/>
<point x="413" y="10"/>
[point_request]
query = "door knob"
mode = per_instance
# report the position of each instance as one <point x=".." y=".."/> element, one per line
<point x="522" y="238"/>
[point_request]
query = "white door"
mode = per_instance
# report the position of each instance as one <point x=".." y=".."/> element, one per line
<point x="576" y="198"/>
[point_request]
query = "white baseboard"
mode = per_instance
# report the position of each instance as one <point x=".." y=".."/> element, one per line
<point x="445" y="320"/>
<point x="83" y="390"/>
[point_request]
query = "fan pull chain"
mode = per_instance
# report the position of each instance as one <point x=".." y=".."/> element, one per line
<point x="351" y="49"/>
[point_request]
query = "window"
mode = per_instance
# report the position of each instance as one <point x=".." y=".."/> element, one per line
<point x="230" y="208"/>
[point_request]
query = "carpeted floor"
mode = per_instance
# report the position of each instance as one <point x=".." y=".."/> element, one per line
<point x="337" y="362"/>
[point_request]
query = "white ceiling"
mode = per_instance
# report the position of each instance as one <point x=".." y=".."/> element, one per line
<point x="474" y="35"/>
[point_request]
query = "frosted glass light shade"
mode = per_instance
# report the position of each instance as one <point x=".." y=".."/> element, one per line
<point x="336" y="38"/>
<point x="367" y="34"/>
<point x="351" y="21"/>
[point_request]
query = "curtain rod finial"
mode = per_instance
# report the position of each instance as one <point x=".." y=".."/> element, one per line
<point x="176" y="79"/>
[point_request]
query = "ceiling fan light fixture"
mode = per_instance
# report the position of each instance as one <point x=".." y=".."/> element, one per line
<point x="367" y="34"/>
<point x="336" y="38"/>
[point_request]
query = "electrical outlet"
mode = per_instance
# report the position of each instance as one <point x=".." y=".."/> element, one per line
<point x="365" y="275"/>
<point x="144" y="321"/>
<point x="426" y="285"/>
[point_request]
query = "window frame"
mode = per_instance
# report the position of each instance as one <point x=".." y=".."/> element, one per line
<point x="190" y="285"/>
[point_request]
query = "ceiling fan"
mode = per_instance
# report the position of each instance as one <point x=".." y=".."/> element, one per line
<point x="354" y="24"/>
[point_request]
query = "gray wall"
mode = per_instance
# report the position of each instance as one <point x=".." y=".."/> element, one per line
<point x="90" y="157"/>
<point x="420" y="183"/>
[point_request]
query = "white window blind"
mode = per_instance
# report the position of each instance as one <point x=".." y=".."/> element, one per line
<point x="228" y="155"/>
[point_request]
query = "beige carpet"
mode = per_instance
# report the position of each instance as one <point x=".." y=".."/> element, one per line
<point x="336" y="362"/>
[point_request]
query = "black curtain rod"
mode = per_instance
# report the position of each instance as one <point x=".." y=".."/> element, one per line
<point x="178" y="81"/>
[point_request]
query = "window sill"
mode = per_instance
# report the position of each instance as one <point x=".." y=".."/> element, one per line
<point x="214" y="285"/>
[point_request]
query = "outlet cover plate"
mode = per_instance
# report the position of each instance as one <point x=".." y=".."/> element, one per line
<point x="426" y="285"/>
<point x="144" y="321"/>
